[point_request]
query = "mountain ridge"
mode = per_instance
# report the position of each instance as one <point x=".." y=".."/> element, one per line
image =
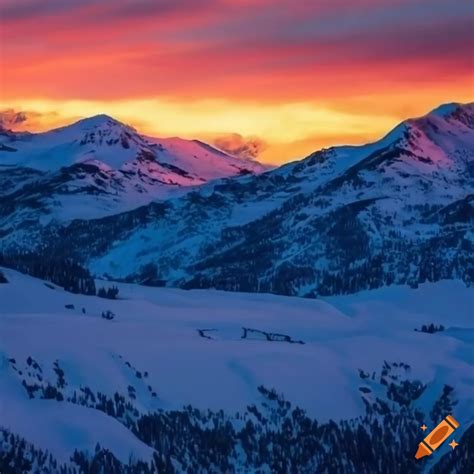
<point x="342" y="219"/>
<point x="99" y="166"/>
<point x="96" y="130"/>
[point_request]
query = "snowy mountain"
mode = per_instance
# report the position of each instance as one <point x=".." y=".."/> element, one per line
<point x="107" y="376"/>
<point x="207" y="381"/>
<point x="399" y="210"/>
<point x="99" y="166"/>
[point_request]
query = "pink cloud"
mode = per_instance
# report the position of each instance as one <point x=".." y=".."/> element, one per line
<point x="254" y="49"/>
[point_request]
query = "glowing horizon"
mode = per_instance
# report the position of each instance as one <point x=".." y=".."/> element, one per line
<point x="295" y="77"/>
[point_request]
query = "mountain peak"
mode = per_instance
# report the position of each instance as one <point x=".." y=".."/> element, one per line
<point x="457" y="117"/>
<point x="447" y="110"/>
<point x="99" y="121"/>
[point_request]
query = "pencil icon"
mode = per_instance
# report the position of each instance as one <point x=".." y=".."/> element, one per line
<point x="436" y="437"/>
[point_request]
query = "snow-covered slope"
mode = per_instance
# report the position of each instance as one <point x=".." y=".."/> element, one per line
<point x="399" y="210"/>
<point x="169" y="348"/>
<point x="99" y="166"/>
<point x="113" y="144"/>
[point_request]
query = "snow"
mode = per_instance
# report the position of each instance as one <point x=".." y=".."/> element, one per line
<point x="130" y="170"/>
<point x="155" y="330"/>
<point x="445" y="110"/>
<point x="432" y="167"/>
<point x="52" y="150"/>
<point x="102" y="139"/>
<point x="62" y="427"/>
<point x="201" y="159"/>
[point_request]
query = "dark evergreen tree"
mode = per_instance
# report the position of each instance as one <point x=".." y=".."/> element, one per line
<point x="110" y="293"/>
<point x="3" y="278"/>
<point x="65" y="273"/>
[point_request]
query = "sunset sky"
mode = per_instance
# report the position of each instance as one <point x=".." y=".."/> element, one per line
<point x="289" y="76"/>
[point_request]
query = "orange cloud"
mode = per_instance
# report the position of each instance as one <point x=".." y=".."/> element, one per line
<point x="19" y="120"/>
<point x="243" y="147"/>
<point x="292" y="73"/>
<point x="111" y="50"/>
<point x="11" y="120"/>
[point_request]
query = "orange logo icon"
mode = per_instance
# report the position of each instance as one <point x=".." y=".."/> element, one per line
<point x="437" y="437"/>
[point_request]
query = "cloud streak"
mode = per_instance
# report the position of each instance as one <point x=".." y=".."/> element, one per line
<point x="330" y="54"/>
<point x="213" y="48"/>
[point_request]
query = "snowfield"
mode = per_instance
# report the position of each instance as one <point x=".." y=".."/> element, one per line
<point x="177" y="348"/>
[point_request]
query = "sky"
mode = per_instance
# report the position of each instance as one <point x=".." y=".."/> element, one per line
<point x="280" y="78"/>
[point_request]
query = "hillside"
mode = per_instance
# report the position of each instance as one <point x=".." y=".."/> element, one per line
<point x="171" y="360"/>
<point x="100" y="166"/>
<point x="344" y="219"/>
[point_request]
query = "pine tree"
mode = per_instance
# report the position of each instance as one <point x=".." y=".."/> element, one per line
<point x="3" y="278"/>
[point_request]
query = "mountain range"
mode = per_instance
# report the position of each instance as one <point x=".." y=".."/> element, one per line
<point x="182" y="213"/>
<point x="99" y="166"/>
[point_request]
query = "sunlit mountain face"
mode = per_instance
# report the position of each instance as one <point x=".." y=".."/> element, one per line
<point x="293" y="77"/>
<point x="99" y="166"/>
